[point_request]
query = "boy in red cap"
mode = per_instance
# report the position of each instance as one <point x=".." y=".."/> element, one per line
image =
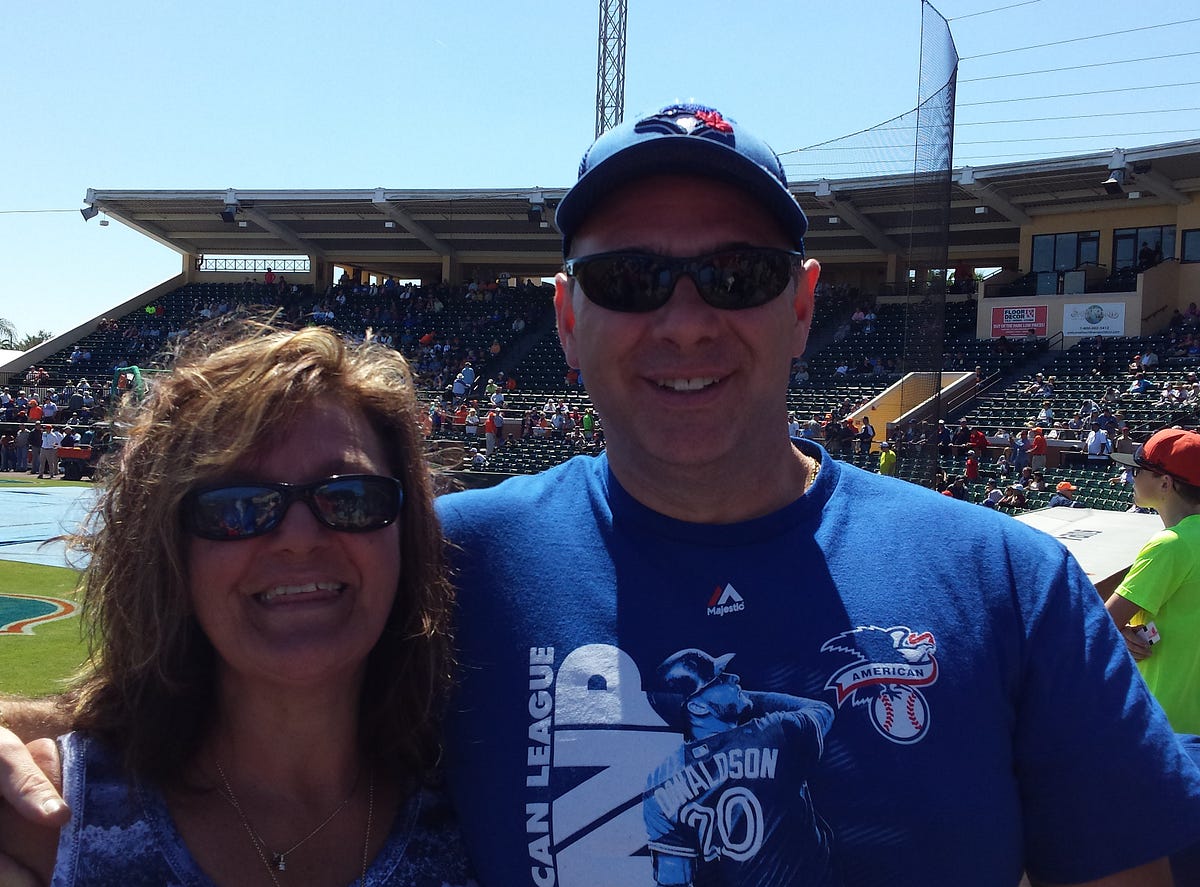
<point x="1163" y="585"/>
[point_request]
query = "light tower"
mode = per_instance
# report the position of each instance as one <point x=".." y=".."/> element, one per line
<point x="610" y="66"/>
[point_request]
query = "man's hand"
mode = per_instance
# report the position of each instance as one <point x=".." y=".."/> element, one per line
<point x="29" y="779"/>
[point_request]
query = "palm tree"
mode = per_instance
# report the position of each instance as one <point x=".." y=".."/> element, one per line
<point x="8" y="334"/>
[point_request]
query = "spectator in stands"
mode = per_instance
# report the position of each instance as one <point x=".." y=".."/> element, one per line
<point x="472" y="422"/>
<point x="958" y="489"/>
<point x="979" y="442"/>
<point x="992" y="498"/>
<point x="1098" y="443"/>
<point x="961" y="438"/>
<point x="1140" y="384"/>
<point x="1162" y="588"/>
<point x="489" y="432"/>
<point x="1014" y="497"/>
<point x="1045" y="415"/>
<point x="1123" y="478"/>
<point x="865" y="436"/>
<point x="1149" y="359"/>
<point x="1020" y="448"/>
<point x="971" y="469"/>
<point x="1064" y="496"/>
<point x="1037" y="450"/>
<point x="1003" y="464"/>
<point x="887" y="459"/>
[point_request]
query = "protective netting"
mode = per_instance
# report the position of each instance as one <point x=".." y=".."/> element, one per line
<point x="914" y="150"/>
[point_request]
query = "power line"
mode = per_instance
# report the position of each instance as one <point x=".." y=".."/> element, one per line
<point x="1077" y="117"/>
<point x="1149" y="58"/>
<point x="1068" y="95"/>
<point x="1099" y="135"/>
<point x="1123" y="32"/>
<point x="1103" y="135"/>
<point x="9" y="212"/>
<point x="959" y="18"/>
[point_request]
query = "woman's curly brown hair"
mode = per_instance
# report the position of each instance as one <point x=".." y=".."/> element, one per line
<point x="149" y="687"/>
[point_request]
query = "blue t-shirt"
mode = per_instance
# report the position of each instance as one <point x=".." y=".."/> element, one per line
<point x="122" y="833"/>
<point x="986" y="717"/>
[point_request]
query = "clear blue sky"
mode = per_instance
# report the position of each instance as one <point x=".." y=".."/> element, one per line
<point x="306" y="94"/>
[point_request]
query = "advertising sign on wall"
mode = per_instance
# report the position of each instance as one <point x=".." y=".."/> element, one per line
<point x="1017" y="322"/>
<point x="1094" y="319"/>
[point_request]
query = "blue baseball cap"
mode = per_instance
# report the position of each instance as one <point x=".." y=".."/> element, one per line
<point x="681" y="138"/>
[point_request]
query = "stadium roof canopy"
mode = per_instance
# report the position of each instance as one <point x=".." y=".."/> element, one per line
<point x="421" y="233"/>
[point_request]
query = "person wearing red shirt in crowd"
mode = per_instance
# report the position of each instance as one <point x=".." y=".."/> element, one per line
<point x="489" y="431"/>
<point x="971" y="472"/>
<point x="978" y="441"/>
<point x="1037" y="450"/>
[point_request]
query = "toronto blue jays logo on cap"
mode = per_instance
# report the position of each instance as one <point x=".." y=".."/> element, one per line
<point x="689" y="120"/>
<point x="890" y="665"/>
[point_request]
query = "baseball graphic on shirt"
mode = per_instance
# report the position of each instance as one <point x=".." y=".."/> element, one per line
<point x="900" y="713"/>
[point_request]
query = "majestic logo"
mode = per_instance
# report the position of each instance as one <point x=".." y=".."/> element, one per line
<point x="890" y="666"/>
<point x="725" y="600"/>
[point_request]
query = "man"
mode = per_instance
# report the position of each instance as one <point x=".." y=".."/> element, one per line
<point x="1098" y="443"/>
<point x="1064" y="496"/>
<point x="1163" y="585"/>
<point x="554" y="735"/>
<point x="1020" y="448"/>
<point x="1037" y="450"/>
<point x="887" y="460"/>
<point x="866" y="436"/>
<point x="723" y="728"/>
<point x="969" y="678"/>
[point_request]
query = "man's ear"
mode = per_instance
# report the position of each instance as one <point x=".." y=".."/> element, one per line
<point x="564" y="315"/>
<point x="802" y="303"/>
<point x="698" y="708"/>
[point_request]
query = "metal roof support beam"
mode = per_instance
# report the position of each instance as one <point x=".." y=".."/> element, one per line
<point x="861" y="224"/>
<point x="284" y="233"/>
<point x="413" y="227"/>
<point x="992" y="198"/>
<point x="1162" y="187"/>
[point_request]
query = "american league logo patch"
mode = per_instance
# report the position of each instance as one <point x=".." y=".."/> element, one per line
<point x="890" y="667"/>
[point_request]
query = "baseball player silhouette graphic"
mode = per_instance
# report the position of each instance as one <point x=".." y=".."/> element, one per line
<point x="732" y="804"/>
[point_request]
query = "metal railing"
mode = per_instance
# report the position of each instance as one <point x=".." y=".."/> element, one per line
<point x="294" y="265"/>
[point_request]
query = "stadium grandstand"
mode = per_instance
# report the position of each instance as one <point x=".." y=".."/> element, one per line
<point x="1085" y="270"/>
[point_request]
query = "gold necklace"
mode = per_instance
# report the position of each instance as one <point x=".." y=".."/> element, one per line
<point x="278" y="861"/>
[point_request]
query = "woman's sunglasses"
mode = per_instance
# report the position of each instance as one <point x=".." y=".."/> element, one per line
<point x="731" y="279"/>
<point x="350" y="503"/>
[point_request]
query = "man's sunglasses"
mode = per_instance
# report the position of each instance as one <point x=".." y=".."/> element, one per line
<point x="350" y="503"/>
<point x="730" y="279"/>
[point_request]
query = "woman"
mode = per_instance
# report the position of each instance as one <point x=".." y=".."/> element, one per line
<point x="268" y="616"/>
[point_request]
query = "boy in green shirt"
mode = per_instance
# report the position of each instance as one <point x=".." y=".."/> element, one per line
<point x="1163" y="585"/>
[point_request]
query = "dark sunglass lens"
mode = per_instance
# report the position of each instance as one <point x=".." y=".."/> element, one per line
<point x="356" y="504"/>
<point x="748" y="279"/>
<point x="236" y="512"/>
<point x="629" y="283"/>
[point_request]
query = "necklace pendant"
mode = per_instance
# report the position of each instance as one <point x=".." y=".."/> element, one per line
<point x="278" y="862"/>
